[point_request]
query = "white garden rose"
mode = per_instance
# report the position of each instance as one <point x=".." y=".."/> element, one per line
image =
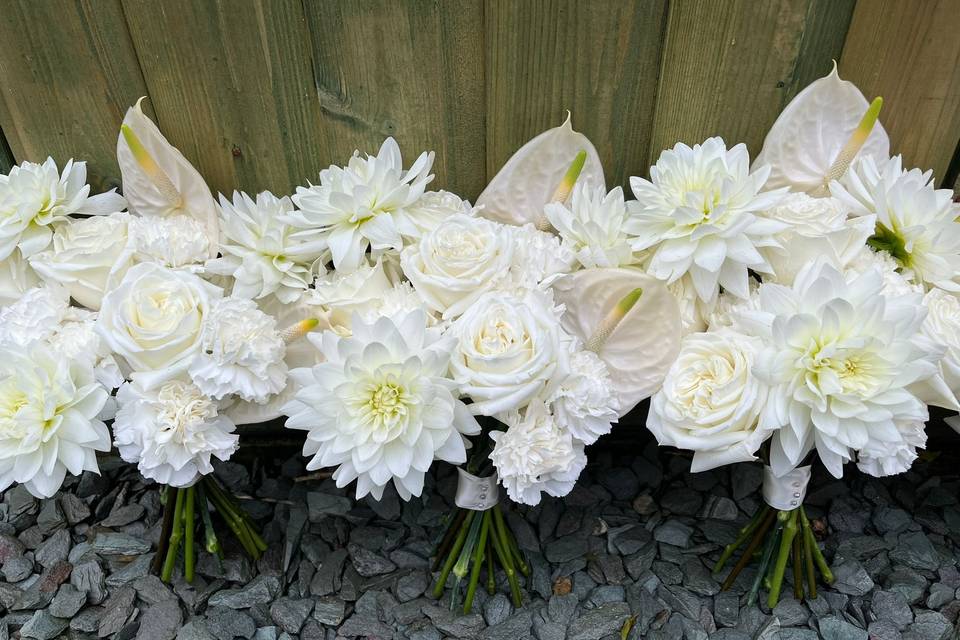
<point x="942" y="325"/>
<point x="171" y="433"/>
<point x="89" y="257"/>
<point x="535" y="455"/>
<point x="433" y="207"/>
<point x="710" y="401"/>
<point x="509" y="351"/>
<point x="337" y="295"/>
<point x="153" y="319"/>
<point x="458" y="261"/>
<point x="49" y="424"/>
<point x="808" y="216"/>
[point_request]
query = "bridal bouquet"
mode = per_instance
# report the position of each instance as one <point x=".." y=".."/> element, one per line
<point x="821" y="312"/>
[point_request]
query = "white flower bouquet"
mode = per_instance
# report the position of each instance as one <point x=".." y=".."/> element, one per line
<point x="822" y="285"/>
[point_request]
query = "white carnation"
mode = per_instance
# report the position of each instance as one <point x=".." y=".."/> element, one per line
<point x="241" y="352"/>
<point x="882" y="459"/>
<point x="34" y="196"/>
<point x="585" y="403"/>
<point x="538" y="257"/>
<point x="535" y="455"/>
<point x="36" y="316"/>
<point x="49" y="425"/>
<point x="171" y="432"/>
<point x="16" y="276"/>
<point x="170" y="241"/>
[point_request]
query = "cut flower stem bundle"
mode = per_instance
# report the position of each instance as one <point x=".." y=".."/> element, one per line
<point x="180" y="522"/>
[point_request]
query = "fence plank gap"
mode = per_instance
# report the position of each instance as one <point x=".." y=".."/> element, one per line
<point x="600" y="60"/>
<point x="68" y="74"/>
<point x="910" y="55"/>
<point x="6" y="155"/>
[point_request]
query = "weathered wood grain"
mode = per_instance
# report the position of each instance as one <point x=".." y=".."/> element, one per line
<point x="67" y="74"/>
<point x="232" y="87"/>
<point x="6" y="156"/>
<point x="599" y="60"/>
<point x="730" y="67"/>
<point x="408" y="69"/>
<point x="909" y="53"/>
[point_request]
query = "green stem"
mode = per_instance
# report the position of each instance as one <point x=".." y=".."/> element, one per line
<point x="189" y="526"/>
<point x="211" y="543"/>
<point x="797" y="573"/>
<point x="491" y="571"/>
<point x="808" y="561"/>
<point x="454" y="552"/>
<point x="236" y="525"/>
<point x="477" y="562"/>
<point x="512" y="545"/>
<point x="156" y="566"/>
<point x="755" y="542"/>
<point x="742" y="537"/>
<point x="815" y="548"/>
<point x="448" y="537"/>
<point x="788" y="522"/>
<point x="176" y="535"/>
<point x="463" y="560"/>
<point x="241" y="517"/>
<point x="503" y="555"/>
<point x="764" y="563"/>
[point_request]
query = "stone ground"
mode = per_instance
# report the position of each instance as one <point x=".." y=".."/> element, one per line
<point x="631" y="541"/>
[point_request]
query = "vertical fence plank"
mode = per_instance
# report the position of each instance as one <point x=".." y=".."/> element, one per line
<point x="6" y="156"/>
<point x="231" y="84"/>
<point x="67" y="73"/>
<point x="598" y="59"/>
<point x="909" y="53"/>
<point x="408" y="69"/>
<point x="730" y="67"/>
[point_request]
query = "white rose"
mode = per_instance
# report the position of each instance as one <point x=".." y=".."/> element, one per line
<point x="89" y="257"/>
<point x="809" y="216"/>
<point x="509" y="350"/>
<point x="710" y="401"/>
<point x="339" y="294"/>
<point x="942" y="325"/>
<point x="153" y="319"/>
<point x="458" y="261"/>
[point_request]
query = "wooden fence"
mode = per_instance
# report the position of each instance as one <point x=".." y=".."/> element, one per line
<point x="262" y="94"/>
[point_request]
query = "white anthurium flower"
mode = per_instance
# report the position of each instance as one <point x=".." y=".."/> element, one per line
<point x="241" y="352"/>
<point x="174" y="241"/>
<point x="259" y="249"/>
<point x="89" y="257"/>
<point x="840" y="358"/>
<point x="535" y="456"/>
<point x="16" y="277"/>
<point x="509" y="351"/>
<point x="585" y="402"/>
<point x="630" y="320"/>
<point x="880" y="459"/>
<point x="529" y="179"/>
<point x="591" y="224"/>
<point x="154" y="318"/>
<point x="370" y="203"/>
<point x="462" y="258"/>
<point x="172" y="433"/>
<point x="915" y="223"/>
<point x="700" y="214"/>
<point x="158" y="181"/>
<point x="710" y="402"/>
<point x="433" y="207"/>
<point x="49" y="425"/>
<point x="381" y="407"/>
<point x="813" y="130"/>
<point x="35" y="196"/>
<point x="338" y="295"/>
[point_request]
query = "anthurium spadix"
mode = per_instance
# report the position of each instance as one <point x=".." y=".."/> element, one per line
<point x="630" y="320"/>
<point x="530" y="178"/>
<point x="819" y="133"/>
<point x="158" y="180"/>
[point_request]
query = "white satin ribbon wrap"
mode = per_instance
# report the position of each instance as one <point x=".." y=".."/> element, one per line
<point x="476" y="494"/>
<point x="785" y="492"/>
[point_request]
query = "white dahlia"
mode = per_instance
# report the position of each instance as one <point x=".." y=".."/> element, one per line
<point x="33" y="196"/>
<point x="259" y="249"/>
<point x="591" y="225"/>
<point x="171" y="432"/>
<point x="839" y="357"/>
<point x="381" y="407"/>
<point x="915" y="223"/>
<point x="369" y="203"/>
<point x="48" y="418"/>
<point x="699" y="214"/>
<point x="585" y="402"/>
<point x="241" y="352"/>
<point x="535" y="455"/>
